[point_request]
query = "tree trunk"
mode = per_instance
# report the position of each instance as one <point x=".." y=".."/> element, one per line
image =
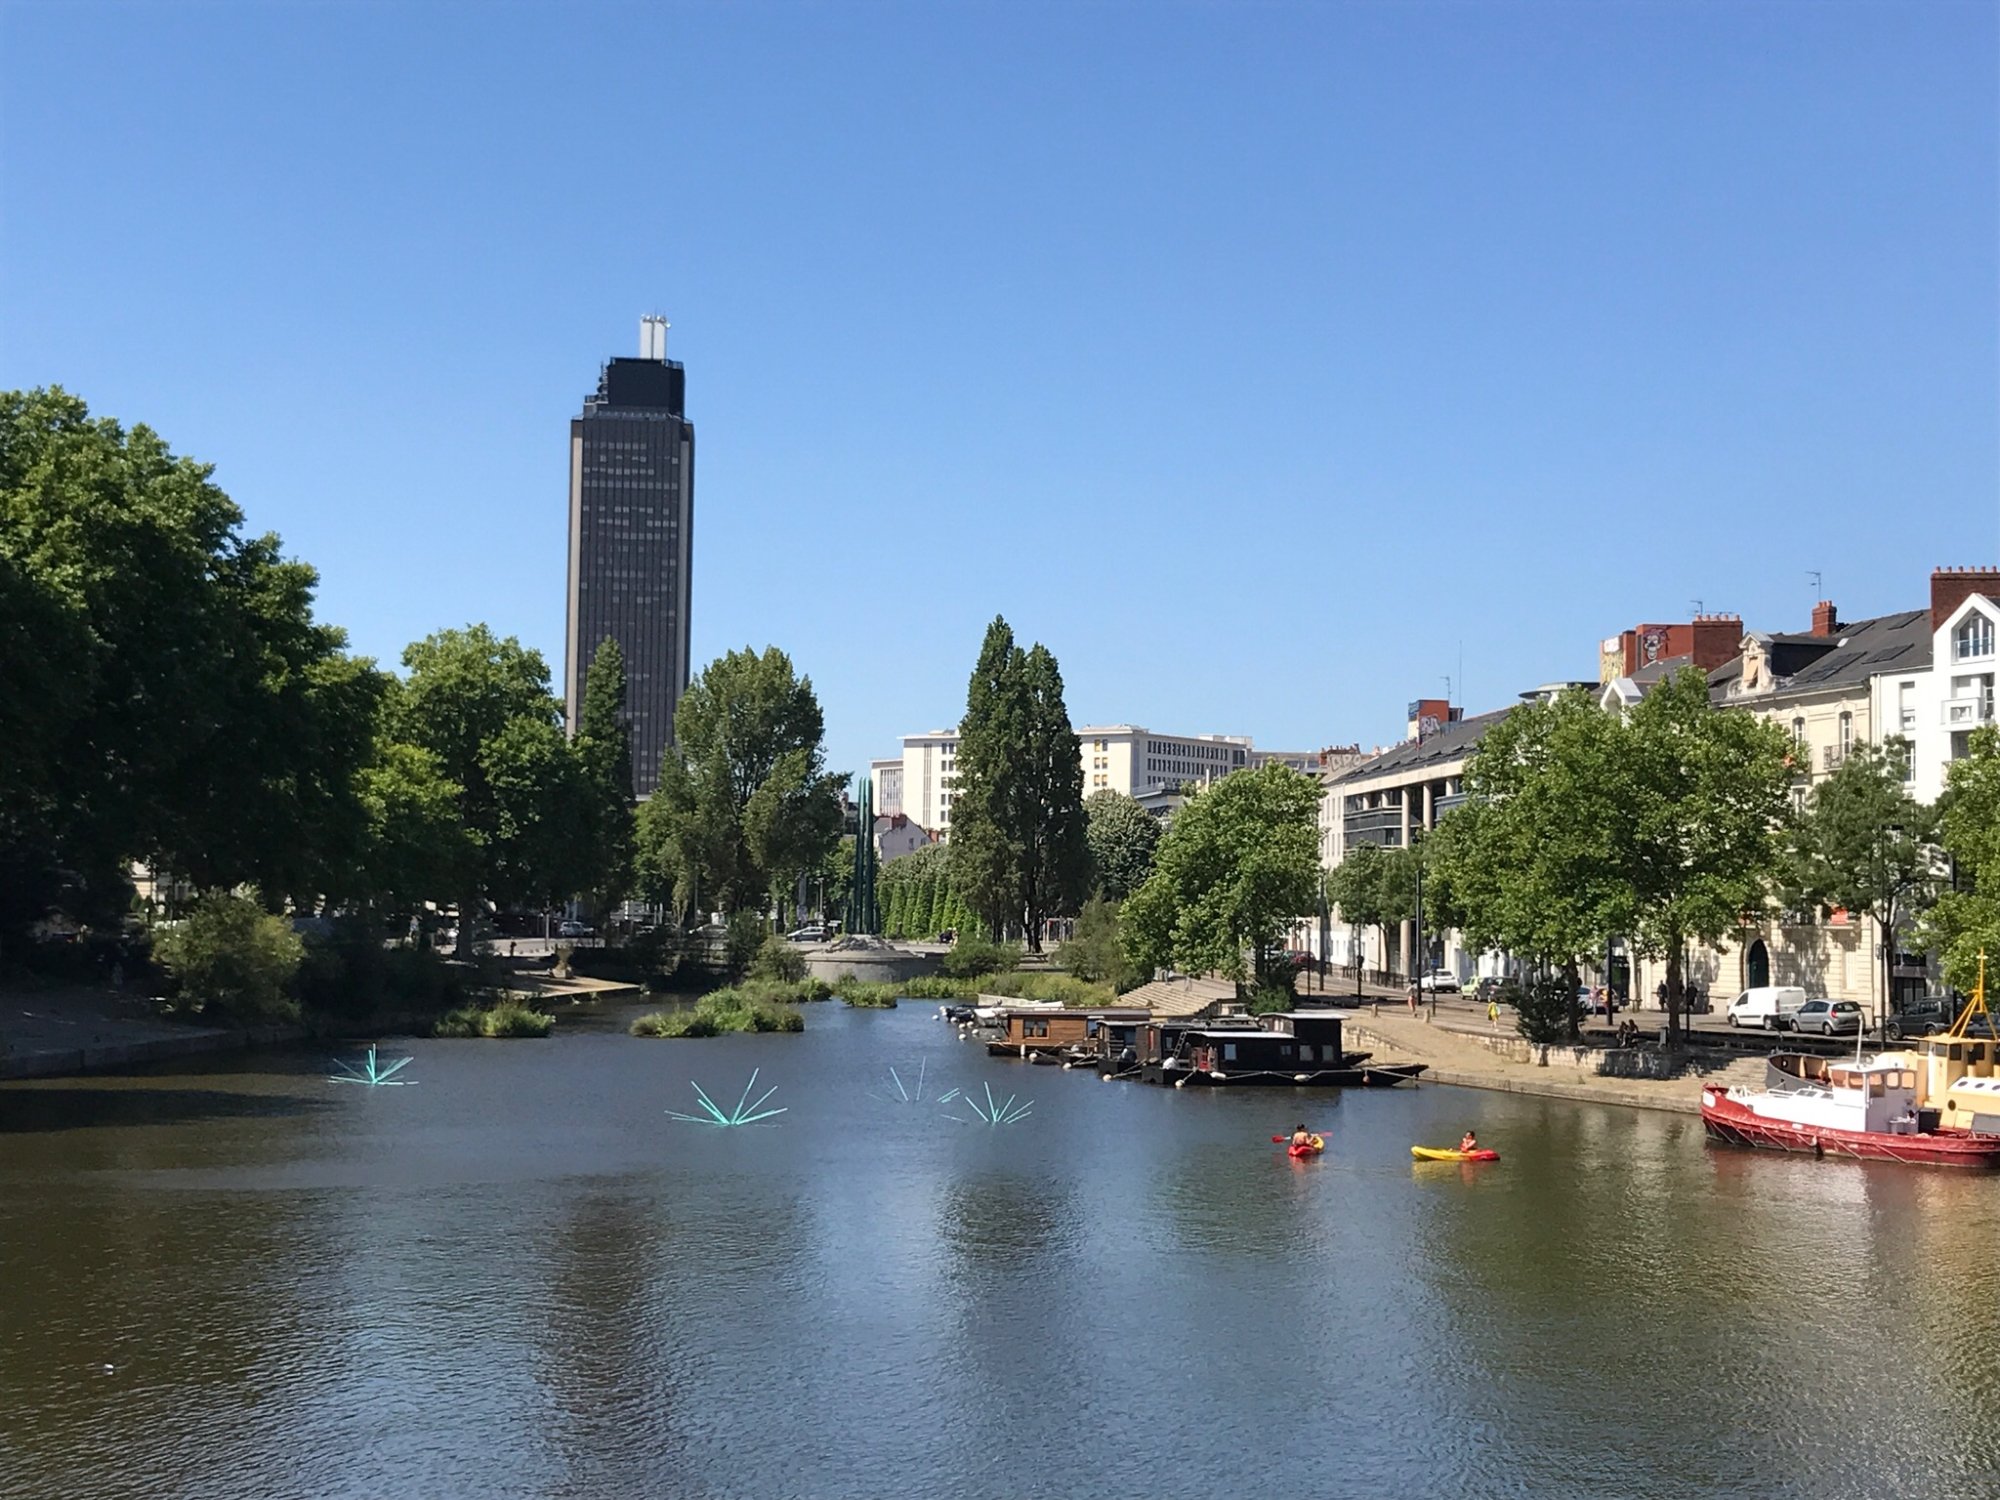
<point x="1675" y="980"/>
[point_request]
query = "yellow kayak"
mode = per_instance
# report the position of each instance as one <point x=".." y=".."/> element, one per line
<point x="1432" y="1153"/>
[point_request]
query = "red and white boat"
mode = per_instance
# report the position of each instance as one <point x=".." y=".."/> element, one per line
<point x="1867" y="1110"/>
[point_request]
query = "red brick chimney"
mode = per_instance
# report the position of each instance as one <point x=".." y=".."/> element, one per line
<point x="1951" y="587"/>
<point x="1716" y="639"/>
<point x="1825" y="620"/>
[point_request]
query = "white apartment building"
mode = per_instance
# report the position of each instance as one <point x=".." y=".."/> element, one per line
<point x="887" y="779"/>
<point x="1937" y="710"/>
<point x="1116" y="757"/>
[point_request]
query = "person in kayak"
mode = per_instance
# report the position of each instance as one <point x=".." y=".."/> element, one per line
<point x="1302" y="1137"/>
<point x="1469" y="1142"/>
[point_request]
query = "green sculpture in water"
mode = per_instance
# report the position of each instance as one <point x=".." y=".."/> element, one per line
<point x="862" y="915"/>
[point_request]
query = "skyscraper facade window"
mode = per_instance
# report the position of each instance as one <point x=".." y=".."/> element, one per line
<point x="631" y="515"/>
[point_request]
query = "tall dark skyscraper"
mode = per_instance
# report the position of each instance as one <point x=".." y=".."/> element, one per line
<point x="631" y="521"/>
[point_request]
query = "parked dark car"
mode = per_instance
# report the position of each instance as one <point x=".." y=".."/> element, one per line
<point x="1925" y="1017"/>
<point x="1490" y="989"/>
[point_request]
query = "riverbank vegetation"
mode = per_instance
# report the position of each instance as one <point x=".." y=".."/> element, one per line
<point x="508" y="1018"/>
<point x="1063" y="989"/>
<point x="866" y="996"/>
<point x="229" y="958"/>
<point x="738" y="1008"/>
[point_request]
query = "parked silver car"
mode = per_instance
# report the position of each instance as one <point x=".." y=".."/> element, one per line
<point x="1828" y="1017"/>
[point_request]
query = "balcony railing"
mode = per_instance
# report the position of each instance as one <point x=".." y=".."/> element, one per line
<point x="1968" y="713"/>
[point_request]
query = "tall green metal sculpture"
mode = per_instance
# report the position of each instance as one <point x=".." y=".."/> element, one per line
<point x="862" y="915"/>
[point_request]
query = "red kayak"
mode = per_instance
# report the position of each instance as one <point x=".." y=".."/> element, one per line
<point x="1312" y="1147"/>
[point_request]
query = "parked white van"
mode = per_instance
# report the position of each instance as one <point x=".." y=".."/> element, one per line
<point x="1770" y="1006"/>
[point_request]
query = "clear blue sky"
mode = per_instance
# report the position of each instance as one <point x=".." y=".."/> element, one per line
<point x="1259" y="360"/>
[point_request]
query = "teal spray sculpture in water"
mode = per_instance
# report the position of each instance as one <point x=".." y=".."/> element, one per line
<point x="992" y="1112"/>
<point x="371" y="1072"/>
<point x="910" y="1095"/>
<point x="745" y="1113"/>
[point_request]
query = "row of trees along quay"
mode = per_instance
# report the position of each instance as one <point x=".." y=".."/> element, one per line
<point x="170" y="702"/>
<point x="1679" y="823"/>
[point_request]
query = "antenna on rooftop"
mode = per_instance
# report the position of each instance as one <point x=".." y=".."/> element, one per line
<point x="1814" y="575"/>
<point x="1697" y="605"/>
<point x="653" y="336"/>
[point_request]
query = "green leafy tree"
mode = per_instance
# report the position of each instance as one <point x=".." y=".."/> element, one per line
<point x="1238" y="863"/>
<point x="1055" y="875"/>
<point x="1965" y="922"/>
<point x="1096" y="948"/>
<point x="1122" y="836"/>
<point x="1865" y="844"/>
<point x="1017" y="813"/>
<point x="987" y="856"/>
<point x="1533" y="861"/>
<point x="202" y="719"/>
<point x="481" y="706"/>
<point x="1374" y="887"/>
<point x="1664" y="824"/>
<point x="229" y="957"/>
<point x="604" y="746"/>
<point x="1705" y="805"/>
<point x="416" y="845"/>
<point x="745" y="804"/>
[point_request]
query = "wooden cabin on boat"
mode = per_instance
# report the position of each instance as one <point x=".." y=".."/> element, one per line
<point x="1026" y="1032"/>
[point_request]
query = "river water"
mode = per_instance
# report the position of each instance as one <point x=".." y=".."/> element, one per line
<point x="521" y="1278"/>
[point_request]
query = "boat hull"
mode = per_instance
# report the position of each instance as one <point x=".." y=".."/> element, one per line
<point x="1433" y="1153"/>
<point x="1733" y="1123"/>
<point x="1375" y="1076"/>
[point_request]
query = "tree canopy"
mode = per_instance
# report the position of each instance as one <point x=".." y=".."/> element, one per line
<point x="1122" y="837"/>
<point x="1966" y="920"/>
<point x="745" y="804"/>
<point x="1238" y="863"/>
<point x="1864" y="843"/>
<point x="165" y="691"/>
<point x="1017" y="818"/>
<point x="1664" y="825"/>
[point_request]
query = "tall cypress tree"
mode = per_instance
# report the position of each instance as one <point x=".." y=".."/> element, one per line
<point x="986" y="856"/>
<point x="1050" y="821"/>
<point x="1017" y="822"/>
<point x="604" y="745"/>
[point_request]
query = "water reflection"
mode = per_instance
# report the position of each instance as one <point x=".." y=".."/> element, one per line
<point x="522" y="1279"/>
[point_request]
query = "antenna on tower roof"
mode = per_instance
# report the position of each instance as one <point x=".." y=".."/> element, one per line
<point x="653" y="336"/>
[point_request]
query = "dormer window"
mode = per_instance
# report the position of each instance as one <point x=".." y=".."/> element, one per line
<point x="1974" y="637"/>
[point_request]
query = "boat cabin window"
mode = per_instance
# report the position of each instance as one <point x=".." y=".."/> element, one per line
<point x="1229" y="1052"/>
<point x="1034" y="1028"/>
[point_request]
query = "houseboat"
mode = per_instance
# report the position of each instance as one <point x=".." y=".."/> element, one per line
<point x="1288" y="1048"/>
<point x="1053" y="1034"/>
<point x="1868" y="1109"/>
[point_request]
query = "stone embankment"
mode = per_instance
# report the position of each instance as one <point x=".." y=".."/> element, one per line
<point x="1643" y="1078"/>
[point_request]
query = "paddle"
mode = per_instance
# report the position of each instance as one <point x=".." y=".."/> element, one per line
<point x="1285" y="1140"/>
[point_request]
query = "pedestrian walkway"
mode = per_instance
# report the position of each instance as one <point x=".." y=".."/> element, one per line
<point x="1457" y="1056"/>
